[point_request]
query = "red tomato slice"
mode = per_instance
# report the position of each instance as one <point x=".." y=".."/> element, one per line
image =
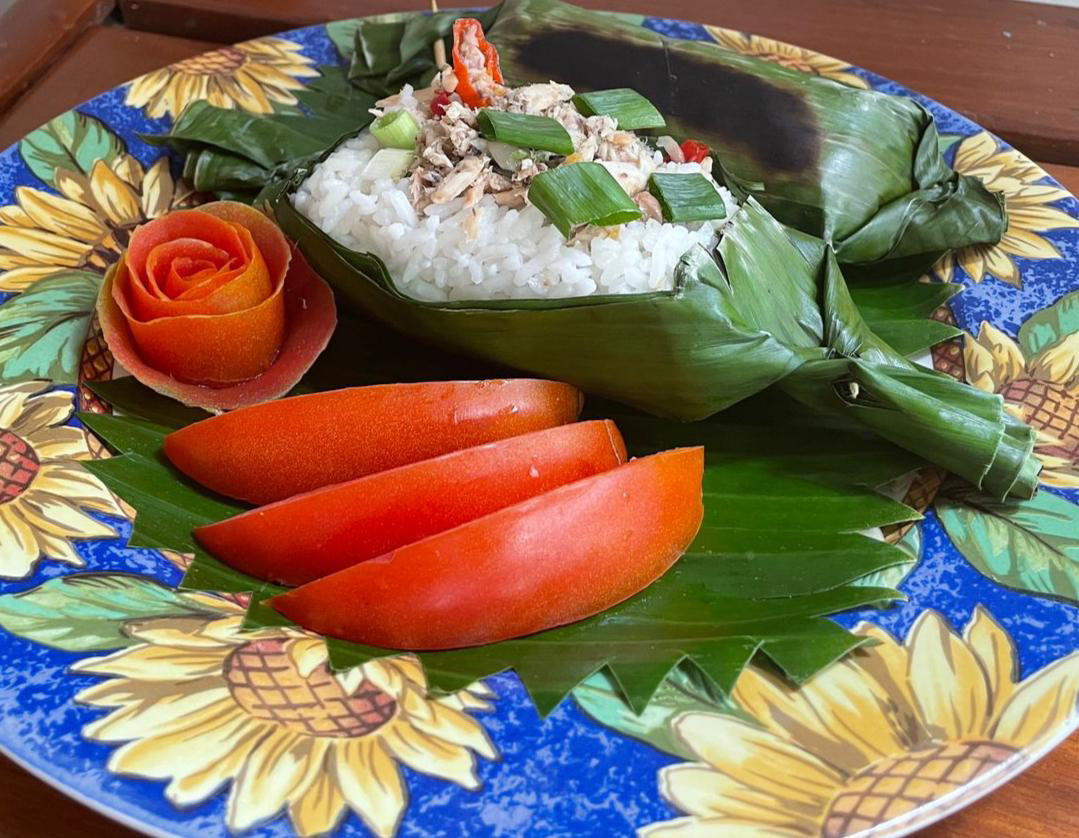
<point x="311" y="535"/>
<point x="554" y="559"/>
<point x="281" y="448"/>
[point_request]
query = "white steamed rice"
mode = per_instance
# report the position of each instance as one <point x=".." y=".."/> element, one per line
<point x="488" y="252"/>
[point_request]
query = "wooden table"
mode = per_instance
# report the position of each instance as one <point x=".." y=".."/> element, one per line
<point x="1008" y="65"/>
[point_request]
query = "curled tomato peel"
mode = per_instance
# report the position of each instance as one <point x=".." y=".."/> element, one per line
<point x="202" y="300"/>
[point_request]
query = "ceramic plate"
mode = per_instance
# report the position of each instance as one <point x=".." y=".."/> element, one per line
<point x="153" y="708"/>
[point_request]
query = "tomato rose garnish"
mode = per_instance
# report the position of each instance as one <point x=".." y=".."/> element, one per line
<point x="213" y="307"/>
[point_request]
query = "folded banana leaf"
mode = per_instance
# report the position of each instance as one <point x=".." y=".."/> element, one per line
<point x="239" y="153"/>
<point x="859" y="169"/>
<point x="765" y="311"/>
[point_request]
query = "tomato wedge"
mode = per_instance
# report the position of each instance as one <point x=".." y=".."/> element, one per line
<point x="311" y="535"/>
<point x="281" y="448"/>
<point x="553" y="559"/>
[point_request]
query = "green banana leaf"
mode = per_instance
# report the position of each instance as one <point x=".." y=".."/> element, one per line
<point x="397" y="49"/>
<point x="859" y="169"/>
<point x="771" y="308"/>
<point x="777" y="550"/>
<point x="239" y="153"/>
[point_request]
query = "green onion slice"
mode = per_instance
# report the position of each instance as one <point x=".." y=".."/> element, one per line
<point x="389" y="162"/>
<point x="505" y="155"/>
<point x="396" y="129"/>
<point x="581" y="193"/>
<point x="687" y="197"/>
<point x="524" y="131"/>
<point x="629" y="109"/>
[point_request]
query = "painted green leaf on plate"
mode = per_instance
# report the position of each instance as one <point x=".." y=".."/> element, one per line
<point x="42" y="330"/>
<point x="1029" y="545"/>
<point x="87" y="611"/>
<point x="72" y="141"/>
<point x="1050" y="325"/>
<point x="686" y="689"/>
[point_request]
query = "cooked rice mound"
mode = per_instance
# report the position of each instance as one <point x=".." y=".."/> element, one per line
<point x="487" y="243"/>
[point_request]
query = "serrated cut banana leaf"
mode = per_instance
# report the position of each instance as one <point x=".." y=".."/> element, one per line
<point x="777" y="552"/>
<point x="760" y="313"/>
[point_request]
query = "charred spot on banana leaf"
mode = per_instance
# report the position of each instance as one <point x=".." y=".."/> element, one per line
<point x="766" y="119"/>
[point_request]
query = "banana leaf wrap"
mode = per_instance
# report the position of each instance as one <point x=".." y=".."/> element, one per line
<point x="236" y="154"/>
<point x="765" y="311"/>
<point x="856" y="168"/>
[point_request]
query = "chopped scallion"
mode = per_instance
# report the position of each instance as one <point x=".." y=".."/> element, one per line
<point x="629" y="109"/>
<point x="687" y="197"/>
<point x="581" y="193"/>
<point x="396" y="129"/>
<point x="505" y="155"/>
<point x="391" y="163"/>
<point x="524" y="131"/>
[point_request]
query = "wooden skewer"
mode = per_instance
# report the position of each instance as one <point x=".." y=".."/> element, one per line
<point x="440" y="46"/>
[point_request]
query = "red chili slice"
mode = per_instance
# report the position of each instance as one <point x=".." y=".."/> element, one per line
<point x="278" y="449"/>
<point x="466" y="84"/>
<point x="554" y="559"/>
<point x="695" y="151"/>
<point x="439" y="102"/>
<point x="320" y="532"/>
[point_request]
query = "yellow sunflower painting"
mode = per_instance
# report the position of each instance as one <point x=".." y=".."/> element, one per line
<point x="251" y="76"/>
<point x="201" y="703"/>
<point x="778" y="52"/>
<point x="1043" y="391"/>
<point x="870" y="740"/>
<point x="88" y="224"/>
<point x="1028" y="201"/>
<point x="44" y="492"/>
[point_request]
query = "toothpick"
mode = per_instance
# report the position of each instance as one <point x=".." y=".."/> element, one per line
<point x="440" y="45"/>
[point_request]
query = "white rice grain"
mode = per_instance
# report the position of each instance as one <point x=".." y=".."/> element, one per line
<point x="448" y="252"/>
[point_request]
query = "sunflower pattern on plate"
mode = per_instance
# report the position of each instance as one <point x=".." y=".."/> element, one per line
<point x="870" y="740"/>
<point x="56" y="245"/>
<point x="797" y="58"/>
<point x="44" y="492"/>
<point x="1029" y="201"/>
<point x="85" y="226"/>
<point x="253" y="76"/>
<point x="1043" y="390"/>
<point x="201" y="702"/>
